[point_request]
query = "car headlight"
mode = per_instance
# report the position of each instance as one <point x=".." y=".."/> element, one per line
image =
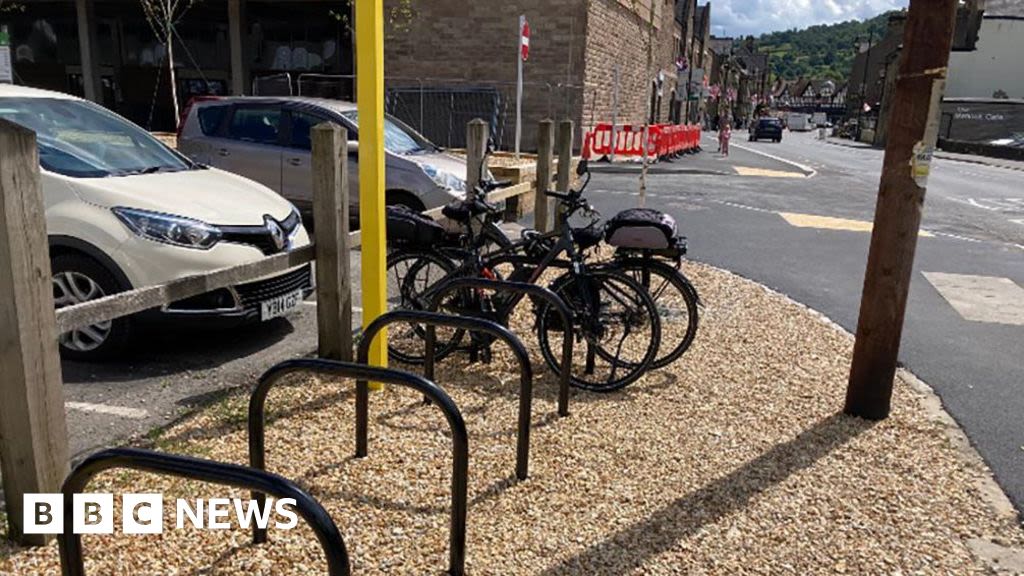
<point x="444" y="179"/>
<point x="168" y="229"/>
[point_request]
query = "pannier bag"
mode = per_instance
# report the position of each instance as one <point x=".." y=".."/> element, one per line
<point x="406" y="226"/>
<point x="641" y="228"/>
<point x="589" y="236"/>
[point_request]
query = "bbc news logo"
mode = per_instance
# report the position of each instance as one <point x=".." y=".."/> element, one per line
<point x="144" y="514"/>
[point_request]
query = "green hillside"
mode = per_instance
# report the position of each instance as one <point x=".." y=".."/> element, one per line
<point x="824" y="52"/>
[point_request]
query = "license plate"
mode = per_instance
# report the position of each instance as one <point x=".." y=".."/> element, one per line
<point x="280" y="306"/>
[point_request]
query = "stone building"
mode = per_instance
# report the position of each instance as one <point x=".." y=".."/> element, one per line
<point x="984" y="65"/>
<point x="590" y="60"/>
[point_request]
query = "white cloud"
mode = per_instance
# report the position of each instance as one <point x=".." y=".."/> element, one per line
<point x="743" y="17"/>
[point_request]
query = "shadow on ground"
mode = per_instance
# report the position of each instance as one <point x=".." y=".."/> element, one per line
<point x="167" y="351"/>
<point x="628" y="549"/>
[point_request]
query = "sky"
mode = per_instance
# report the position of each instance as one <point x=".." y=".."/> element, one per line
<point x="742" y="17"/>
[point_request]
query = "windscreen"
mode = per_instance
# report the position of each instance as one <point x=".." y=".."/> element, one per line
<point x="83" y="140"/>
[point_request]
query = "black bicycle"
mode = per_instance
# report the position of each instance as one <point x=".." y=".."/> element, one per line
<point x="657" y="270"/>
<point x="612" y="313"/>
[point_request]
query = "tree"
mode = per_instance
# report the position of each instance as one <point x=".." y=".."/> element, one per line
<point x="6" y="6"/>
<point x="163" y="16"/>
<point x="399" y="15"/>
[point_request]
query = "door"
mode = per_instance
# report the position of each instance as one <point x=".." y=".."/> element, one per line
<point x="297" y="171"/>
<point x="251" y="146"/>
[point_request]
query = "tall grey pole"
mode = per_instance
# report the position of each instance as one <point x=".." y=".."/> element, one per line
<point x="615" y="112"/>
<point x="519" y="86"/>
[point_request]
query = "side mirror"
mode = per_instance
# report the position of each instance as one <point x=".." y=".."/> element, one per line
<point x="583" y="167"/>
<point x="353" y="147"/>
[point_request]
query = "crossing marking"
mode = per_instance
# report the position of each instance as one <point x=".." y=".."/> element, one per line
<point x="989" y="299"/>
<point x="765" y="173"/>
<point x="829" y="223"/>
<point x="130" y="413"/>
<point x="810" y="172"/>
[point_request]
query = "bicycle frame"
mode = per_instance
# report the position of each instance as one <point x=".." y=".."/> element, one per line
<point x="505" y="304"/>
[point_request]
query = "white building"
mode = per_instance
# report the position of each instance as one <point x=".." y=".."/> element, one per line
<point x="996" y="68"/>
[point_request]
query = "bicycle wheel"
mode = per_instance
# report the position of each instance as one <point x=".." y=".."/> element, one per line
<point x="409" y="275"/>
<point x="615" y="320"/>
<point x="676" y="299"/>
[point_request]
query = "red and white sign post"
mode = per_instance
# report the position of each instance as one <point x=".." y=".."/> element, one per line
<point x="522" y="55"/>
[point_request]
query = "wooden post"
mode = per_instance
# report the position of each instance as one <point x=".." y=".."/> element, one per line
<point x="545" y="142"/>
<point x="33" y="433"/>
<point x="331" y="218"/>
<point x="914" y="126"/>
<point x="476" y="153"/>
<point x="565" y="134"/>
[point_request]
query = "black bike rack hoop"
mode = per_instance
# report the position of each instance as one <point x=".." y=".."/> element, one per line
<point x="432" y="320"/>
<point x="71" y="557"/>
<point x="364" y="374"/>
<point x="450" y="285"/>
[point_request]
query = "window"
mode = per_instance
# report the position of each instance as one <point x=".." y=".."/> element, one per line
<point x="256" y="124"/>
<point x="81" y="140"/>
<point x="211" y="117"/>
<point x="398" y="138"/>
<point x="302" y="123"/>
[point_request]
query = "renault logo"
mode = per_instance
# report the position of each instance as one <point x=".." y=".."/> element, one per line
<point x="277" y="234"/>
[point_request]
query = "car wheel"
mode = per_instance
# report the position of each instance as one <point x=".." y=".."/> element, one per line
<point x="78" y="279"/>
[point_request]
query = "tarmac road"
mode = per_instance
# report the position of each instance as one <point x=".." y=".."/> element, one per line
<point x="808" y="238"/>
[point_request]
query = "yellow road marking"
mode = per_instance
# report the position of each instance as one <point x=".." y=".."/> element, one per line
<point x="765" y="173"/>
<point x="829" y="223"/>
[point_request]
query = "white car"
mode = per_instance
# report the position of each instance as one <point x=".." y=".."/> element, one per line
<point x="124" y="211"/>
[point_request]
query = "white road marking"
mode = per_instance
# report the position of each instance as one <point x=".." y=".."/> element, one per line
<point x="811" y="172"/>
<point x="981" y="298"/>
<point x="958" y="237"/>
<point x="994" y="204"/>
<point x="741" y="206"/>
<point x="130" y="413"/>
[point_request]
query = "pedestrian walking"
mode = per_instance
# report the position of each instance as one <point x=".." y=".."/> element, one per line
<point x="724" y="134"/>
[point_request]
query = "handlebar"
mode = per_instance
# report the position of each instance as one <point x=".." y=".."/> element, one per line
<point x="493" y="185"/>
<point x="564" y="196"/>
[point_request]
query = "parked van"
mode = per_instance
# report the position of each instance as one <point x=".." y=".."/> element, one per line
<point x="798" y="122"/>
<point x="124" y="211"/>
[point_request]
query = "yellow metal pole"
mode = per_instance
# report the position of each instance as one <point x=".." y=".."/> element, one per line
<point x="370" y="99"/>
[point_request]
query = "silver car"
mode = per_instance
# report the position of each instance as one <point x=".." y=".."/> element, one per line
<point x="268" y="140"/>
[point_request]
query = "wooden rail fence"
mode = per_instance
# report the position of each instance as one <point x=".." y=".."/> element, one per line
<point x="33" y="430"/>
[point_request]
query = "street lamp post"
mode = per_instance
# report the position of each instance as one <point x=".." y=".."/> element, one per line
<point x="864" y="83"/>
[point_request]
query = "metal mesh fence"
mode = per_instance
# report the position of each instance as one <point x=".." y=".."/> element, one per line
<point x="440" y="108"/>
<point x="275" y="85"/>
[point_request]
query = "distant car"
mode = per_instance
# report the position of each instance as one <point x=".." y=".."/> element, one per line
<point x="766" y="129"/>
<point x="124" y="211"/>
<point x="268" y="139"/>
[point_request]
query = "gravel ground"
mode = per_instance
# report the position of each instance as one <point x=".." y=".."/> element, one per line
<point x="734" y="461"/>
